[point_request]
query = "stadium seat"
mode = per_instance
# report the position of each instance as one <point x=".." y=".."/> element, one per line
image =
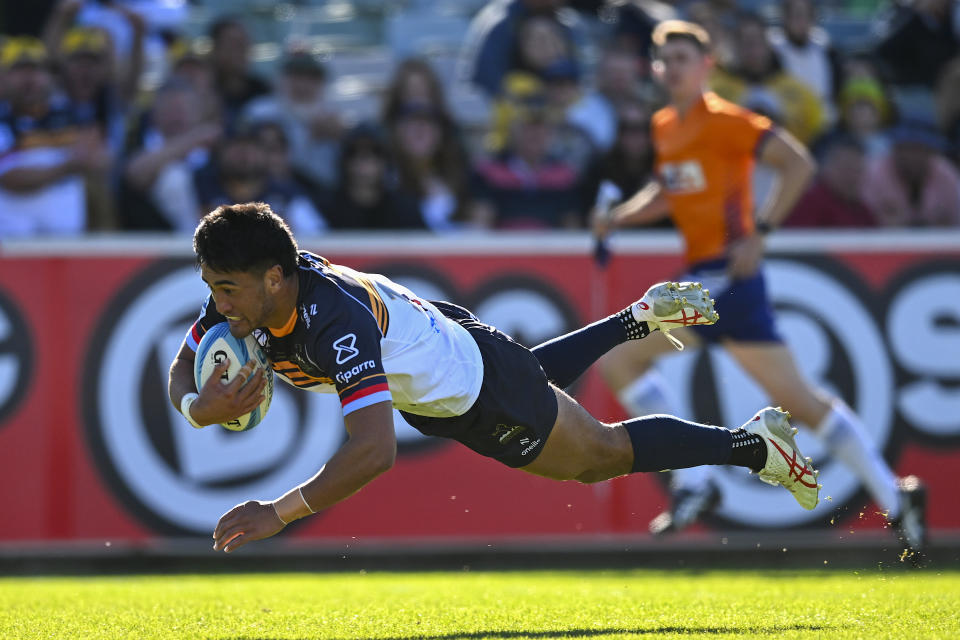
<point x="422" y="32"/>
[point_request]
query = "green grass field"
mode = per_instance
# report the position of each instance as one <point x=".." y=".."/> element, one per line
<point x="442" y="606"/>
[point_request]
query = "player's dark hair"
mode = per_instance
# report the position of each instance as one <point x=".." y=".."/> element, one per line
<point x="245" y="237"/>
<point x="670" y="30"/>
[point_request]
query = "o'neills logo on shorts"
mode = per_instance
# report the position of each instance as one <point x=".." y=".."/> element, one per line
<point x="344" y="376"/>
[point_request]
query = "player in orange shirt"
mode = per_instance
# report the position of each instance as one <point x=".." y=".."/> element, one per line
<point x="706" y="148"/>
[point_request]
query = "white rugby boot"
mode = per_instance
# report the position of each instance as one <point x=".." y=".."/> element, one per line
<point x="669" y="305"/>
<point x="785" y="465"/>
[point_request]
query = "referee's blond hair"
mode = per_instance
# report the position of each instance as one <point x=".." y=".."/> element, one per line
<point x="682" y="30"/>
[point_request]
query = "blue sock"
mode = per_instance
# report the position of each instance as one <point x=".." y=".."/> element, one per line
<point x="662" y="442"/>
<point x="564" y="359"/>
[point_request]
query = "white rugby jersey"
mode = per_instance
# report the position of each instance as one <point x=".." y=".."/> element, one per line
<point x="368" y="339"/>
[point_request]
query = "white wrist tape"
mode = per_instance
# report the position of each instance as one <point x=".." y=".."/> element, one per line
<point x="305" y="503"/>
<point x="277" y="511"/>
<point x="185" y="403"/>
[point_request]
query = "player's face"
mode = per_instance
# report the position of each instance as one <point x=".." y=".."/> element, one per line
<point x="681" y="68"/>
<point x="241" y="296"/>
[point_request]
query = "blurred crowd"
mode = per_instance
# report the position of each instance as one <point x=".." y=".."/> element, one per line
<point x="86" y="144"/>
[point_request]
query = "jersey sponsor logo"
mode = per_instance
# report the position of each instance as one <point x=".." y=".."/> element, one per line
<point x="683" y="177"/>
<point x="346" y="350"/>
<point x="344" y="376"/>
<point x="16" y="357"/>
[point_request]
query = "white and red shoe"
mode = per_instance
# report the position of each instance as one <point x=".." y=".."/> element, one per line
<point x="671" y="305"/>
<point x="785" y="465"/>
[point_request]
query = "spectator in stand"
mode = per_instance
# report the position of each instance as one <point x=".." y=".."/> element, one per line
<point x="85" y="64"/>
<point x="541" y="43"/>
<point x="300" y="211"/>
<point x="426" y="144"/>
<point x="229" y="59"/>
<point x="93" y="76"/>
<point x="759" y="76"/>
<point x="527" y="186"/>
<point x="543" y="64"/>
<point x="627" y="167"/>
<point x="618" y="78"/>
<point x="634" y="21"/>
<point x="866" y="113"/>
<point x="311" y="125"/>
<point x="559" y="91"/>
<point x="561" y="87"/>
<point x="366" y="195"/>
<point x="507" y="35"/>
<point x="914" y="185"/>
<point x="415" y="83"/>
<point x="835" y="199"/>
<point x="948" y="106"/>
<point x="718" y="21"/>
<point x="50" y="154"/>
<point x="431" y="165"/>
<point x="188" y="65"/>
<point x="239" y="172"/>
<point x="805" y="52"/>
<point x="918" y="39"/>
<point x="170" y="143"/>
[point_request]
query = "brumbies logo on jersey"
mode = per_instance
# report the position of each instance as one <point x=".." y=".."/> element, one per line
<point x="683" y="177"/>
<point x="345" y="347"/>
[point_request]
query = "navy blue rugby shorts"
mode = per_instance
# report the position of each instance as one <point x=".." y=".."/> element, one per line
<point x="516" y="409"/>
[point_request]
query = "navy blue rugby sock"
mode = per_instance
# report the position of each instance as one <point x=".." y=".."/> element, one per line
<point x="564" y="359"/>
<point x="663" y="442"/>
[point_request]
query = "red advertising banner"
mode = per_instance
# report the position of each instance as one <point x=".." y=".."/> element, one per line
<point x="90" y="447"/>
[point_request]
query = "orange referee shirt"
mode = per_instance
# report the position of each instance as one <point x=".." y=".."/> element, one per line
<point x="705" y="161"/>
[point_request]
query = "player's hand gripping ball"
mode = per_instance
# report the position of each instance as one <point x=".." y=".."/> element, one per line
<point x="217" y="345"/>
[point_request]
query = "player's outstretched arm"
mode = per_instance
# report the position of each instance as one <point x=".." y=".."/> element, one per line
<point x="369" y="451"/>
<point x="216" y="402"/>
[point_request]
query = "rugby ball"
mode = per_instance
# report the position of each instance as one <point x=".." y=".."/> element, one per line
<point x="219" y="344"/>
